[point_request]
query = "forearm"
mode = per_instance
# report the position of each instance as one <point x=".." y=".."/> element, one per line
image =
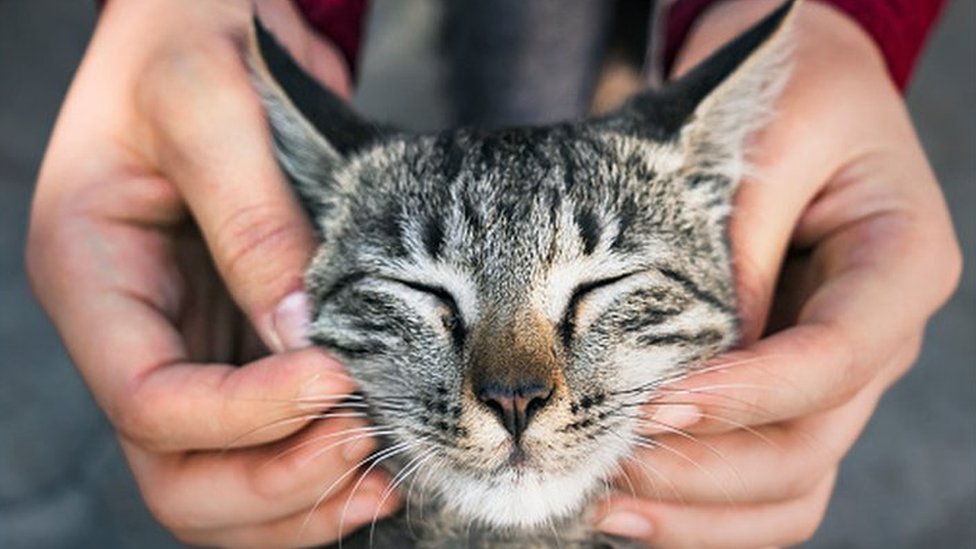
<point x="899" y="28"/>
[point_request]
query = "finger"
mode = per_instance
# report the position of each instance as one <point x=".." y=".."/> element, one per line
<point x="212" y="138"/>
<point x="220" y="489"/>
<point x="187" y="406"/>
<point x="351" y="509"/>
<point x="849" y="327"/>
<point x="114" y="302"/>
<point x="726" y="527"/>
<point x="793" y="373"/>
<point x="792" y="158"/>
<point x="733" y="468"/>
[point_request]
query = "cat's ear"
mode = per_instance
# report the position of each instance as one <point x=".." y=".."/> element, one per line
<point x="711" y="110"/>
<point x="315" y="132"/>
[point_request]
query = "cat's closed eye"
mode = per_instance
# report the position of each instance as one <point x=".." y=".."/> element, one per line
<point x="568" y="324"/>
<point x="452" y="319"/>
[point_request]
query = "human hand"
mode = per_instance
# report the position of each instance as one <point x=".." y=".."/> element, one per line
<point x="161" y="232"/>
<point x="748" y="449"/>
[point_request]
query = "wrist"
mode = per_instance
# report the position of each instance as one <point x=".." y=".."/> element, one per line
<point x="824" y="37"/>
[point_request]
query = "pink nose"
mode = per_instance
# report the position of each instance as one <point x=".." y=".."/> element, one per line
<point x="516" y="407"/>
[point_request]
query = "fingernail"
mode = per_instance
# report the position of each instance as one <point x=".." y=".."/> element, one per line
<point x="290" y="322"/>
<point x="626" y="524"/>
<point x="670" y="417"/>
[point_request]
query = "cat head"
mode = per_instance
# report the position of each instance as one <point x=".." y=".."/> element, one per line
<point x="508" y="299"/>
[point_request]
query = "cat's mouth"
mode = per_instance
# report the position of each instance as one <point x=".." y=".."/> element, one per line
<point x="517" y="459"/>
<point x="520" y="495"/>
<point x="527" y="487"/>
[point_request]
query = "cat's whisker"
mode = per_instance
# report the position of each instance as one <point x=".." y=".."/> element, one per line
<point x="617" y="468"/>
<point x="649" y="471"/>
<point x="555" y="533"/>
<point x="656" y="444"/>
<point x="390" y="452"/>
<point x="319" y="405"/>
<point x="641" y="409"/>
<point x="662" y="383"/>
<point x="324" y="397"/>
<point x="719" y="366"/>
<point x="349" y="435"/>
<point x="703" y="389"/>
<point x="708" y="446"/>
<point x="747" y="428"/>
<point x="423" y="494"/>
<point x="745" y="405"/>
<point x="642" y="420"/>
<point x="389" y="398"/>
<point x="630" y="483"/>
<point x="647" y="467"/>
<point x="352" y="469"/>
<point x="303" y="418"/>
<point x="407" y="516"/>
<point x="402" y="475"/>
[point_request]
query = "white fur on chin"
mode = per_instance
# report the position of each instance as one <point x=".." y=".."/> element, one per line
<point x="527" y="499"/>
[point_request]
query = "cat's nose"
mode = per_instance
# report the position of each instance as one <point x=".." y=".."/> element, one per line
<point x="515" y="407"/>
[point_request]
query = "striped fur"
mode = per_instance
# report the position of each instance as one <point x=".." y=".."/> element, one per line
<point x="592" y="253"/>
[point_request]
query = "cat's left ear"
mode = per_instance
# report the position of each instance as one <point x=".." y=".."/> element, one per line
<point x="711" y="110"/>
<point x="315" y="132"/>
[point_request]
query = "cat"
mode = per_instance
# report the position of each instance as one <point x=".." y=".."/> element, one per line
<point x="507" y="299"/>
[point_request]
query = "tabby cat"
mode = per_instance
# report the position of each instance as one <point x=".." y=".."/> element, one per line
<point x="507" y="299"/>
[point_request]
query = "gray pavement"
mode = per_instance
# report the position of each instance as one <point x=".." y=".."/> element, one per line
<point x="909" y="482"/>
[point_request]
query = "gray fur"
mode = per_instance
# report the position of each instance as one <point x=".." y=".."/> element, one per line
<point x="603" y="241"/>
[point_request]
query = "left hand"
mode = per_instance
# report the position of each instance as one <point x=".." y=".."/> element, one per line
<point x="749" y="448"/>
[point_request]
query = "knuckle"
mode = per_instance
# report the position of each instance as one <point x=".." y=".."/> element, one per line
<point x="805" y="528"/>
<point x="133" y="421"/>
<point x="48" y="243"/>
<point x="273" y="480"/>
<point x="163" y="508"/>
<point x="849" y="373"/>
<point x="136" y="420"/>
<point x="250" y="235"/>
<point x="196" y="67"/>
<point x="800" y="477"/>
<point x="814" y="510"/>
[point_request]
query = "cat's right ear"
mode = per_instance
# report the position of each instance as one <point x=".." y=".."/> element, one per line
<point x="315" y="132"/>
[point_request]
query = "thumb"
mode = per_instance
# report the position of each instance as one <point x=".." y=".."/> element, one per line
<point x="214" y="144"/>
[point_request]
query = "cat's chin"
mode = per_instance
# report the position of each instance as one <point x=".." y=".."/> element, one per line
<point x="521" y="498"/>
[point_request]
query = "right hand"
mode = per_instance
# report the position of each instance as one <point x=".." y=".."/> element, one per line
<point x="161" y="232"/>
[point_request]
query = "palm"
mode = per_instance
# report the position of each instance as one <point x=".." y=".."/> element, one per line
<point x="211" y="325"/>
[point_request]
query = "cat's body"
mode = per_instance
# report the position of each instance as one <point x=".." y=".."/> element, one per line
<point x="509" y="300"/>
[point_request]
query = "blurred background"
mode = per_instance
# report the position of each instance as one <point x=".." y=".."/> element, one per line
<point x="909" y="482"/>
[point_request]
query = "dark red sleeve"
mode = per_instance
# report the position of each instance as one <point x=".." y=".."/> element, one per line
<point x="341" y="21"/>
<point x="899" y="27"/>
